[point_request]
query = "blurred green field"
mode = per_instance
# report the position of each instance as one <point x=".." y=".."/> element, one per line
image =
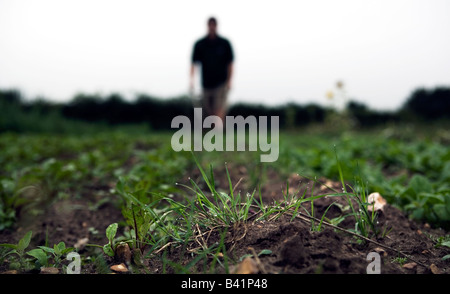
<point x="409" y="166"/>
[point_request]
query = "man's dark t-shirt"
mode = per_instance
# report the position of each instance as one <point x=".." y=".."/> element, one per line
<point x="214" y="55"/>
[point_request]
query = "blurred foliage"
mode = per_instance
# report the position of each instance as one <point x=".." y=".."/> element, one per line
<point x="81" y="148"/>
<point x="41" y="116"/>
<point x="410" y="168"/>
<point x="36" y="170"/>
<point x="93" y="113"/>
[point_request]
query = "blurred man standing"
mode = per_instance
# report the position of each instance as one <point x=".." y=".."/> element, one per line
<point x="215" y="55"/>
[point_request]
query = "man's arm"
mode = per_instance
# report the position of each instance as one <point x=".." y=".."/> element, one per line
<point x="230" y="75"/>
<point x="195" y="60"/>
<point x="192" y="77"/>
<point x="230" y="58"/>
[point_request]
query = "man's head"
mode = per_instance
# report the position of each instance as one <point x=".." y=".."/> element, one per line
<point x="212" y="26"/>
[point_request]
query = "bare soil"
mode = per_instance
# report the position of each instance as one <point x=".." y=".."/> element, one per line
<point x="295" y="249"/>
<point x="298" y="250"/>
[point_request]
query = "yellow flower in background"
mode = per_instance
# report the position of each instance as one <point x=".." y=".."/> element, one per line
<point x="330" y="95"/>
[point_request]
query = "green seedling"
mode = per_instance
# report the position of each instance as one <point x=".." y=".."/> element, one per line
<point x="40" y="255"/>
<point x="109" y="248"/>
<point x="101" y="264"/>
<point x="151" y="225"/>
<point x="399" y="260"/>
<point x="262" y="252"/>
<point x="58" y="252"/>
<point x="219" y="209"/>
<point x="318" y="227"/>
<point x="365" y="220"/>
<point x="111" y="231"/>
<point x="216" y="252"/>
<point x="19" y="248"/>
<point x="141" y="217"/>
<point x="443" y="241"/>
<point x="7" y="203"/>
<point x="386" y="231"/>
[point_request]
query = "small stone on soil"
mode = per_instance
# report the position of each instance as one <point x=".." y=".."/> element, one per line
<point x="49" y="270"/>
<point x="81" y="243"/>
<point x="11" y="272"/>
<point x="411" y="265"/>
<point x="435" y="270"/>
<point x="121" y="268"/>
<point x="377" y="202"/>
<point x="381" y="251"/>
<point x="247" y="266"/>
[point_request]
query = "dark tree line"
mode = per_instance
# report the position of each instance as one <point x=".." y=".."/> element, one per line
<point x="423" y="104"/>
<point x="115" y="110"/>
<point x="159" y="113"/>
<point x="430" y="103"/>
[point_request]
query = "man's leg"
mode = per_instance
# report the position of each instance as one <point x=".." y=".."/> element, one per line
<point x="220" y="102"/>
<point x="214" y="102"/>
<point x="208" y="102"/>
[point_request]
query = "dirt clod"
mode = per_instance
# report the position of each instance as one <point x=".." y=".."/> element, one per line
<point x="123" y="253"/>
<point x="293" y="252"/>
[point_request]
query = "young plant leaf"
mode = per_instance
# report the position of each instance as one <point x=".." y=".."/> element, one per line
<point x="446" y="243"/>
<point x="59" y="248"/>
<point x="108" y="250"/>
<point x="47" y="249"/>
<point x="24" y="242"/>
<point x="40" y="255"/>
<point x="111" y="231"/>
<point x="245" y="256"/>
<point x="67" y="250"/>
<point x="11" y="246"/>
<point x="265" y="252"/>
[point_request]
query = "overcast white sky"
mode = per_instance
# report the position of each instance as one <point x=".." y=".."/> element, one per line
<point x="285" y="50"/>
